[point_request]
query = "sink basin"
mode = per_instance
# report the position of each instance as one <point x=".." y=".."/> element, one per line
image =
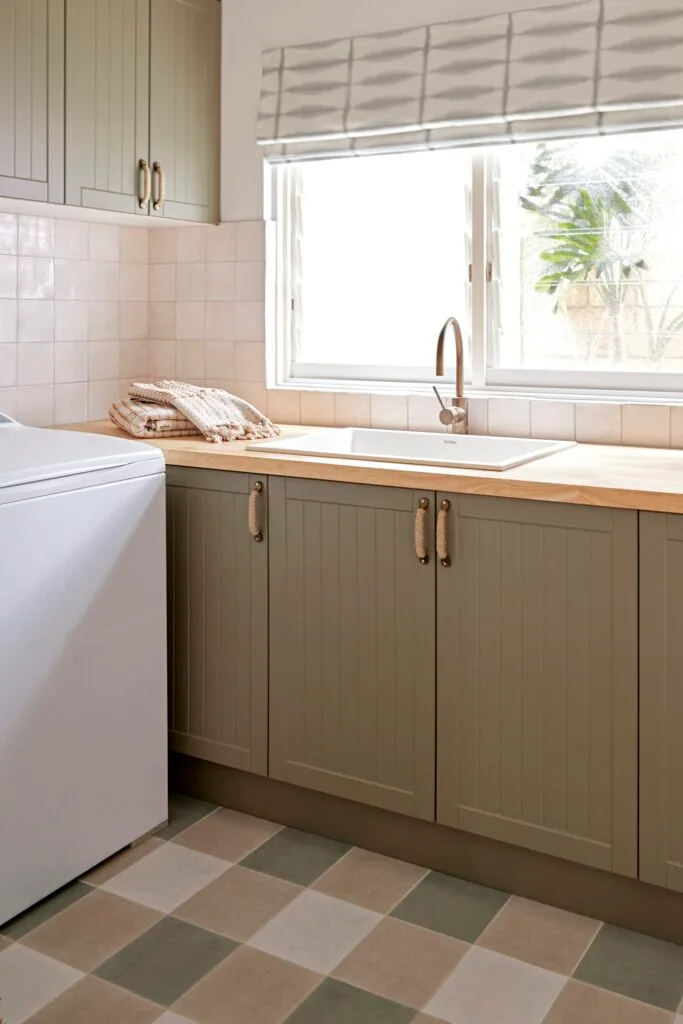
<point x="466" y="451"/>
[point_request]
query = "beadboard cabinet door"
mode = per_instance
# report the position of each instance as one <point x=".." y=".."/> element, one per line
<point x="538" y="678"/>
<point x="185" y="107"/>
<point x="32" y="100"/>
<point x="107" y="102"/>
<point x="218" y="618"/>
<point x="352" y="643"/>
<point x="661" y="699"/>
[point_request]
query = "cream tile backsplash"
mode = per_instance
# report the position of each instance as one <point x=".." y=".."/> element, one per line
<point x="86" y="308"/>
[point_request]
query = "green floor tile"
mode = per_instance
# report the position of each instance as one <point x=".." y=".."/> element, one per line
<point x="183" y="811"/>
<point x="334" y="1002"/>
<point x="43" y="911"/>
<point x="451" y="906"/>
<point x="166" y="960"/>
<point x="296" y="856"/>
<point x="634" y="965"/>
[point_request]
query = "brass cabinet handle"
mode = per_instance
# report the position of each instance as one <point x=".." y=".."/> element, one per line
<point x="161" y="194"/>
<point x="420" y="519"/>
<point x="254" y="528"/>
<point x="146" y="174"/>
<point x="442" y="533"/>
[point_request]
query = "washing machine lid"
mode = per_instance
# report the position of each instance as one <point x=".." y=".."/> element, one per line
<point x="32" y="454"/>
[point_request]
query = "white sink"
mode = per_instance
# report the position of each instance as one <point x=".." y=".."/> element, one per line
<point x="456" y="450"/>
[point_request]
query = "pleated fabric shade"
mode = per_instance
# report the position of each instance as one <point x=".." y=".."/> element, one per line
<point x="591" y="67"/>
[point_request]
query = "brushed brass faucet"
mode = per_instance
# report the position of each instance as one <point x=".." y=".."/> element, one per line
<point x="454" y="416"/>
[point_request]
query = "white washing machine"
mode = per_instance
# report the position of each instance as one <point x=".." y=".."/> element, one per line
<point x="83" y="749"/>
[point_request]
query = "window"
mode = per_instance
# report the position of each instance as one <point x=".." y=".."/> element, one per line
<point x="563" y="262"/>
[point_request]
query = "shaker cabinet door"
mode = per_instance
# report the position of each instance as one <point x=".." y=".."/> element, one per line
<point x="537" y="677"/>
<point x="107" y="103"/>
<point x="185" y="105"/>
<point x="32" y="100"/>
<point x="352" y="643"/>
<point x="218" y="618"/>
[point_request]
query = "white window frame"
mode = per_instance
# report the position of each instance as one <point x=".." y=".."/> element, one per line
<point x="485" y="378"/>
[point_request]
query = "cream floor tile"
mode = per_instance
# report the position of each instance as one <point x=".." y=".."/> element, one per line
<point x="120" y="861"/>
<point x="29" y="980"/>
<point x="315" y="931"/>
<point x="488" y="988"/>
<point x="167" y="877"/>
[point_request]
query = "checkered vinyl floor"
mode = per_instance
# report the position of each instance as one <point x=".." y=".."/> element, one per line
<point x="228" y="919"/>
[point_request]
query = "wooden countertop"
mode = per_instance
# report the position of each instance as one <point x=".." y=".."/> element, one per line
<point x="650" y="479"/>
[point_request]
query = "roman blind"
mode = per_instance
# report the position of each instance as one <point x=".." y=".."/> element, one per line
<point x="589" y="67"/>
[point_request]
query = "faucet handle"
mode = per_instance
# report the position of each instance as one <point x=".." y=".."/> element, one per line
<point x="446" y="416"/>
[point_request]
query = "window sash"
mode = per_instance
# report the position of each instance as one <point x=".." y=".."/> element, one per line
<point x="485" y="314"/>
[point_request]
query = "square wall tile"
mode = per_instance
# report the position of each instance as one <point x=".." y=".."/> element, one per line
<point x="162" y="244"/>
<point x="36" y="236"/>
<point x="36" y="278"/>
<point x="134" y="245"/>
<point x="221" y="283"/>
<point x="36" y="364"/>
<point x="36" y="320"/>
<point x="487" y="988"/>
<point x="8" y="404"/>
<point x="250" y="361"/>
<point x="71" y="321"/>
<point x="71" y="403"/>
<point x="161" y="358"/>
<point x="36" y="405"/>
<point x="598" y="423"/>
<point x="162" y="282"/>
<point x="9" y="234"/>
<point x="132" y="320"/>
<point x="315" y="931"/>
<point x="389" y="412"/>
<point x="71" y="361"/>
<point x="250" y="321"/>
<point x="317" y="408"/>
<point x="162" y="320"/>
<point x="220" y="359"/>
<point x="220" y="321"/>
<point x="103" y="321"/>
<point x="423" y="414"/>
<point x="9" y="274"/>
<point x="220" y="242"/>
<point x="253" y="392"/>
<point x="9" y="361"/>
<point x="190" y="282"/>
<point x="646" y="425"/>
<point x="190" y="321"/>
<point x="676" y="412"/>
<point x="71" y="279"/>
<point x="103" y="243"/>
<point x="250" y="281"/>
<point x="351" y="410"/>
<point x="284" y="406"/>
<point x="133" y="282"/>
<point x="103" y="281"/>
<point x="553" y="421"/>
<point x="133" y="358"/>
<point x="101" y="395"/>
<point x="8" y="320"/>
<point x="191" y="245"/>
<point x="71" y="240"/>
<point x="509" y="417"/>
<point x="191" y="360"/>
<point x="103" y="360"/>
<point x="250" y="240"/>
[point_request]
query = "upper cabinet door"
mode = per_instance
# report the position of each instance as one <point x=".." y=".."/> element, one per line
<point x="32" y="99"/>
<point x="107" y="103"/>
<point x="661" y="699"/>
<point x="185" y="108"/>
<point x="537" y="678"/>
<point x="352" y="643"/>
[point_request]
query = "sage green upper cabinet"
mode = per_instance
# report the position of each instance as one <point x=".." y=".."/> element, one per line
<point x="32" y="99"/>
<point x="107" y="103"/>
<point x="185" y="107"/>
<point x="218" y="617"/>
<point x="661" y="699"/>
<point x="352" y="643"/>
<point x="537" y="677"/>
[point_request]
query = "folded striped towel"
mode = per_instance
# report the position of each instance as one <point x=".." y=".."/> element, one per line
<point x="174" y="409"/>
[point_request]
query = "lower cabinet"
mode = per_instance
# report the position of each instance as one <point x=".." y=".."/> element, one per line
<point x="537" y="678"/>
<point x="352" y="643"/>
<point x="661" y="699"/>
<point x="218" y="617"/>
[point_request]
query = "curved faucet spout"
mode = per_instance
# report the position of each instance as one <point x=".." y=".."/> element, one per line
<point x="456" y="417"/>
